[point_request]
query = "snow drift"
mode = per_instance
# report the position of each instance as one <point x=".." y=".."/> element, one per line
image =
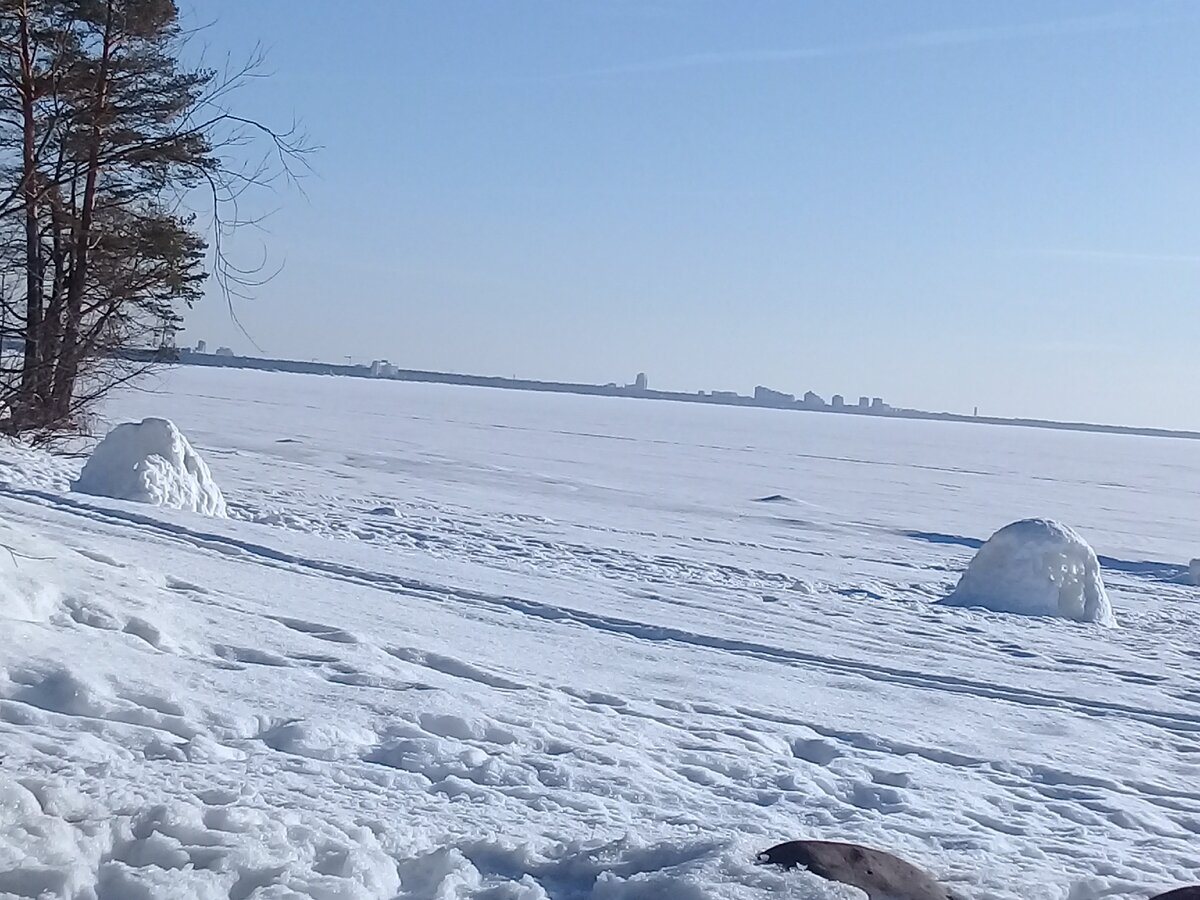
<point x="151" y="462"/>
<point x="1036" y="567"/>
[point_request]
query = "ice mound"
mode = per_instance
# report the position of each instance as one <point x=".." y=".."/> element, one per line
<point x="151" y="462"/>
<point x="1036" y="567"/>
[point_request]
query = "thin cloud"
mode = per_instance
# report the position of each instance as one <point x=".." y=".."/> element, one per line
<point x="1118" y="256"/>
<point x="956" y="37"/>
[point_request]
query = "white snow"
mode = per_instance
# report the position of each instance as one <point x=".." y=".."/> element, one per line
<point x="580" y="661"/>
<point x="151" y="462"/>
<point x="1036" y="567"/>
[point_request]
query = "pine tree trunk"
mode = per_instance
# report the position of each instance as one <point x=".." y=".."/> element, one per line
<point x="52" y="330"/>
<point x="33" y="250"/>
<point x="67" y="371"/>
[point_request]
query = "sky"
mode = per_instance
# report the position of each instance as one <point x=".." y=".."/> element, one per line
<point x="948" y="203"/>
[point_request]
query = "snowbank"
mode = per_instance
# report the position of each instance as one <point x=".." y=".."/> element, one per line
<point x="151" y="462"/>
<point x="1036" y="567"/>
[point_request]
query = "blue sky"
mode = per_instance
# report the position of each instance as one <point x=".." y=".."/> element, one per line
<point x="949" y="204"/>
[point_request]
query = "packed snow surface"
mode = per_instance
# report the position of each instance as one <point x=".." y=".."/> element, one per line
<point x="460" y="644"/>
<point x="151" y="462"/>
<point x="1036" y="567"/>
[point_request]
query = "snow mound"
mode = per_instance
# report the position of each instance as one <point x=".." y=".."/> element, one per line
<point x="1036" y="567"/>
<point x="151" y="462"/>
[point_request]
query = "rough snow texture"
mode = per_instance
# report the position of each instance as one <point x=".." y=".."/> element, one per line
<point x="580" y="662"/>
<point x="151" y="462"/>
<point x="1036" y="567"/>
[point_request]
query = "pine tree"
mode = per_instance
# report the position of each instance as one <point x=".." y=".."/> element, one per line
<point x="115" y="135"/>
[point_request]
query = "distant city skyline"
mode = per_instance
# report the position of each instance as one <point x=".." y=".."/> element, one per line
<point x="951" y="205"/>
<point x="639" y="389"/>
<point x="761" y="394"/>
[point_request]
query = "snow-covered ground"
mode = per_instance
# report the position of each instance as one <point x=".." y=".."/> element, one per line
<point x="460" y="643"/>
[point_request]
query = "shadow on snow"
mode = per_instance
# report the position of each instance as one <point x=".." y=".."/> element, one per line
<point x="1157" y="571"/>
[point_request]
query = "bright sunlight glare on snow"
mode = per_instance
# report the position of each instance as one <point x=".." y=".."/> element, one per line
<point x="451" y="642"/>
<point x="599" y="450"/>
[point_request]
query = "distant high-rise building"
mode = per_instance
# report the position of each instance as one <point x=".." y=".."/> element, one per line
<point x="201" y="346"/>
<point x="813" y="399"/>
<point x="773" y="398"/>
<point x="864" y="402"/>
<point x="640" y="382"/>
<point x="838" y="401"/>
<point x="877" y="403"/>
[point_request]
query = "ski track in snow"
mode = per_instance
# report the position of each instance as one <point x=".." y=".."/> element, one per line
<point x="467" y="643"/>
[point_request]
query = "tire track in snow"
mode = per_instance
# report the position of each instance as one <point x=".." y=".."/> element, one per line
<point x="1181" y="724"/>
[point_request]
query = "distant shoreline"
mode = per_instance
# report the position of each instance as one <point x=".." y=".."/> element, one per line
<point x="192" y="358"/>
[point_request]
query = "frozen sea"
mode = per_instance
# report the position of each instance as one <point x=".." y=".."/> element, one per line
<point x="464" y="643"/>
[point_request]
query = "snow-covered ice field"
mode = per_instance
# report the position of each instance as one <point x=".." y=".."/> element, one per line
<point x="460" y="643"/>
